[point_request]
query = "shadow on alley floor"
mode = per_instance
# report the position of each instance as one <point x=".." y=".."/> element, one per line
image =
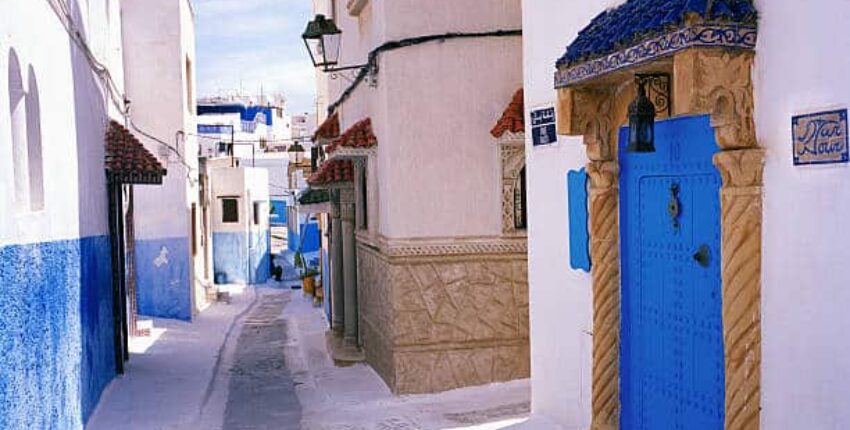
<point x="261" y="362"/>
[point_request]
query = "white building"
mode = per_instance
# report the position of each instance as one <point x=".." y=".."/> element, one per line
<point x="254" y="124"/>
<point x="240" y="225"/>
<point x="777" y="275"/>
<point x="170" y="267"/>
<point x="67" y="166"/>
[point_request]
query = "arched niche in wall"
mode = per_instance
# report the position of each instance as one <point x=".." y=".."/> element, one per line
<point x="35" y="165"/>
<point x="18" y="115"/>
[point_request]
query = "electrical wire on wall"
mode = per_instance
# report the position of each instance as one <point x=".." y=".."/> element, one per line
<point x="371" y="67"/>
<point x="115" y="95"/>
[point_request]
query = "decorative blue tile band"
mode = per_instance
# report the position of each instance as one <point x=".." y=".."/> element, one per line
<point x="700" y="36"/>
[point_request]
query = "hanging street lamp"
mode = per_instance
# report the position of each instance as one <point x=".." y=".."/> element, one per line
<point x="296" y="153"/>
<point x="641" y="120"/>
<point x="322" y="38"/>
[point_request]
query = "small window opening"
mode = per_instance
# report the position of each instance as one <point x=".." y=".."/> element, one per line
<point x="230" y="210"/>
<point x="364" y="202"/>
<point x="520" y="216"/>
<point x="258" y="212"/>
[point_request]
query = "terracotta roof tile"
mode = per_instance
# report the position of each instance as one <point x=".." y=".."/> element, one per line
<point x="360" y="135"/>
<point x="513" y="119"/>
<point x="333" y="171"/>
<point x="329" y="129"/>
<point x="128" y="160"/>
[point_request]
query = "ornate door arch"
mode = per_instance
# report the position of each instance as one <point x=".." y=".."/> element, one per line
<point x="710" y="65"/>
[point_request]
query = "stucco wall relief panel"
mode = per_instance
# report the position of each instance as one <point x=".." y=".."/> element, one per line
<point x="437" y="322"/>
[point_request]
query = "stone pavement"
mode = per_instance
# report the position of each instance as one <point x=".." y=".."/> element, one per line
<point x="169" y="383"/>
<point x="262" y="362"/>
<point x="261" y="393"/>
<point x="339" y="396"/>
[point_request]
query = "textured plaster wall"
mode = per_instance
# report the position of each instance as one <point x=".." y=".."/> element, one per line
<point x="162" y="274"/>
<point x="436" y="324"/>
<point x="56" y="343"/>
<point x="560" y="298"/>
<point x="800" y="68"/>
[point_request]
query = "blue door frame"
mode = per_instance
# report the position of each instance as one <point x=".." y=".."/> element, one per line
<point x="671" y="357"/>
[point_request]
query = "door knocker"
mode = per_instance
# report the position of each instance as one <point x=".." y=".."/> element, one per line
<point x="673" y="207"/>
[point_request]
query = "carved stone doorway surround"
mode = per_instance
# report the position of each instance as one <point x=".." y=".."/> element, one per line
<point x="713" y="81"/>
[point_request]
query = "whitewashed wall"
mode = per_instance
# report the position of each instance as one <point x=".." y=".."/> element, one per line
<point x="801" y="66"/>
<point x="155" y="53"/>
<point x="560" y="298"/>
<point x="73" y="118"/>
<point x="436" y="173"/>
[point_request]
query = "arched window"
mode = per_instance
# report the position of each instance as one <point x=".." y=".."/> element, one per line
<point x="18" y="113"/>
<point x="35" y="164"/>
<point x="520" y="216"/>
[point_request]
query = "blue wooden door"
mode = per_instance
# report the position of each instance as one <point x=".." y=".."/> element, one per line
<point x="671" y="366"/>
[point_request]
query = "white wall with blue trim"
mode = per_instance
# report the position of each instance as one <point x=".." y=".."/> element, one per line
<point x="241" y="244"/>
<point x="56" y="328"/>
<point x="160" y="73"/>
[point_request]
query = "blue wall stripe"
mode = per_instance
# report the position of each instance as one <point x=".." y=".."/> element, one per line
<point x="235" y="262"/>
<point x="164" y="288"/>
<point x="56" y="335"/>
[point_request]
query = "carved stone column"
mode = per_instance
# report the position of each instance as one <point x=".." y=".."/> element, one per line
<point x="349" y="265"/>
<point x="605" y="254"/>
<point x="338" y="294"/>
<point x="741" y="206"/>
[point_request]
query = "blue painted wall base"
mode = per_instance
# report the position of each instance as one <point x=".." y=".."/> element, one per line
<point x="163" y="287"/>
<point x="234" y="261"/>
<point x="56" y="332"/>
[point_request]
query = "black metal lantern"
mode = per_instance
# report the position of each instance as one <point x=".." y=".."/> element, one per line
<point x="322" y="38"/>
<point x="641" y="121"/>
<point x="296" y="153"/>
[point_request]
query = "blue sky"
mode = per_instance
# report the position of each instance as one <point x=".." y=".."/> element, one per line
<point x="255" y="42"/>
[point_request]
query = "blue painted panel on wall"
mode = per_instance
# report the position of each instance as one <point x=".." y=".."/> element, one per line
<point x="672" y="359"/>
<point x="307" y="241"/>
<point x="56" y="332"/>
<point x="230" y="258"/>
<point x="278" y="218"/>
<point x="259" y="263"/>
<point x="98" y="345"/>
<point x="310" y="239"/>
<point x="579" y="235"/>
<point x="162" y="277"/>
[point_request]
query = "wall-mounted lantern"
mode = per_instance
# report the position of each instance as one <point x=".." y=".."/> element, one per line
<point x="322" y="38"/>
<point x="641" y="120"/>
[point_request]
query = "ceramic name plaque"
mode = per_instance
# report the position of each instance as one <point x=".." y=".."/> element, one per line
<point x="820" y="138"/>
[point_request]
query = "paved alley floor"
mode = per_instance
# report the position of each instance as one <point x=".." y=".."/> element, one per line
<point x="262" y="362"/>
<point x="261" y="393"/>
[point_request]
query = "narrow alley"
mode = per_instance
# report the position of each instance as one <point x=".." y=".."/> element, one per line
<point x="261" y="362"/>
<point x="424" y="215"/>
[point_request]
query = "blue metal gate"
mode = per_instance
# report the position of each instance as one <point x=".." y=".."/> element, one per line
<point x="671" y="361"/>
